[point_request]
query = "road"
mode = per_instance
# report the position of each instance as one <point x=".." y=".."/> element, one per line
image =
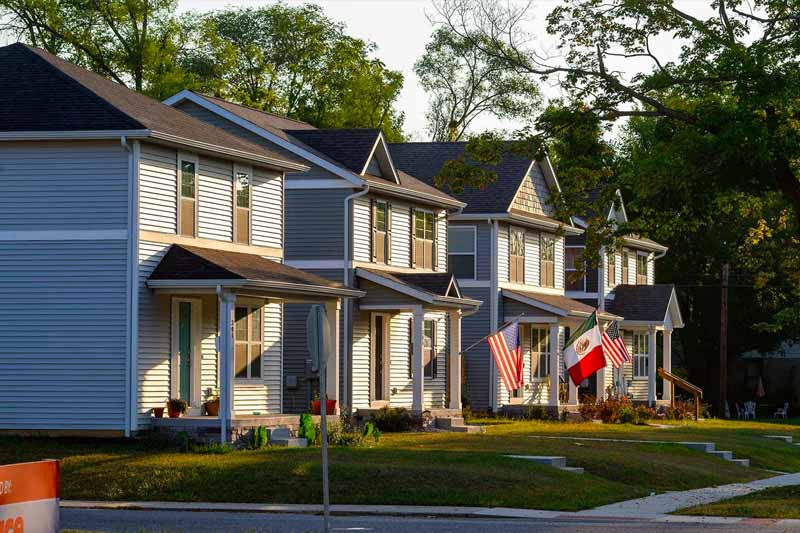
<point x="101" y="520"/>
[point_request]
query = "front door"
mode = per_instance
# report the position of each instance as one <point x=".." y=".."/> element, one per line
<point x="185" y="363"/>
<point x="185" y="350"/>
<point x="380" y="357"/>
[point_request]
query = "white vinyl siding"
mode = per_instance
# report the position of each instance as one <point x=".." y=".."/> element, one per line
<point x="502" y="253"/>
<point x="215" y="218"/>
<point x="158" y="189"/>
<point x="361" y="361"/>
<point x="532" y="257"/>
<point x="559" y="266"/>
<point x="362" y="230"/>
<point x="441" y="243"/>
<point x="651" y="271"/>
<point x="401" y="236"/>
<point x="263" y="395"/>
<point x="267" y="208"/>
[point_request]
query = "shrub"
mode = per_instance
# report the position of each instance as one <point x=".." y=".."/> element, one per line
<point x="307" y="429"/>
<point x="259" y="437"/>
<point x="212" y="448"/>
<point x="370" y="431"/>
<point x="627" y="415"/>
<point x="394" y="420"/>
<point x="643" y="414"/>
<point x="536" y="412"/>
<point x="588" y="409"/>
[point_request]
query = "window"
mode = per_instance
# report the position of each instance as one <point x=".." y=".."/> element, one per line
<point x="641" y="269"/>
<point x="641" y="361"/>
<point x="248" y="331"/>
<point x="540" y="353"/>
<point x="188" y="199"/>
<point x="424" y="241"/>
<point x="547" y="261"/>
<point x="625" y="267"/>
<point x="243" y="207"/>
<point x="611" y="269"/>
<point x="461" y="251"/>
<point x="572" y="265"/>
<point x="516" y="255"/>
<point x="381" y="232"/>
<point x="429" y="355"/>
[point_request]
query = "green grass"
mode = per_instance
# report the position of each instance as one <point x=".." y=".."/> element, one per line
<point x="420" y="468"/>
<point x="779" y="502"/>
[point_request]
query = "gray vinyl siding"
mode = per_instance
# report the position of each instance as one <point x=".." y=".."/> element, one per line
<point x="267" y="208"/>
<point x="315" y="223"/>
<point x="477" y="360"/>
<point x="63" y="185"/>
<point x="158" y="189"/>
<point x="215" y="199"/>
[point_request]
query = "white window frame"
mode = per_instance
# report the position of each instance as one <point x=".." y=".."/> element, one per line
<point x="536" y="374"/>
<point x="420" y="265"/>
<point x="613" y="269"/>
<point x="242" y="169"/>
<point x="641" y="355"/>
<point x="195" y="160"/>
<point x="636" y="267"/>
<point x="474" y="253"/>
<point x="571" y="268"/>
<point x="251" y="304"/>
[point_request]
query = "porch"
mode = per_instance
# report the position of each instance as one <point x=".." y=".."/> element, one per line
<point x="407" y="341"/>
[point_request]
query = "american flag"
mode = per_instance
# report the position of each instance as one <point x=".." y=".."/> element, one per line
<point x="614" y="346"/>
<point x="507" y="354"/>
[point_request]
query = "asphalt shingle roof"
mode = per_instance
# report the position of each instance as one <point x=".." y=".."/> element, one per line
<point x="350" y="147"/>
<point x="641" y="302"/>
<point x="424" y="160"/>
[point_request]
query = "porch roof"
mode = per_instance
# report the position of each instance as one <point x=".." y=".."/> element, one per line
<point x="437" y="288"/>
<point x="193" y="267"/>
<point x="556" y="304"/>
<point x="646" y="305"/>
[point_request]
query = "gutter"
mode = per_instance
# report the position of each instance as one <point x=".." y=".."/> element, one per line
<point x="404" y="192"/>
<point x="493" y="305"/>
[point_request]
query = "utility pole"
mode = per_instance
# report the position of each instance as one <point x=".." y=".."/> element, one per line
<point x="723" y="341"/>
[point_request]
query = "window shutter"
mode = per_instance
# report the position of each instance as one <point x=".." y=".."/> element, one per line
<point x="388" y="232"/>
<point x="413" y="240"/>
<point x="410" y="348"/>
<point x="372" y="220"/>
<point x="435" y="253"/>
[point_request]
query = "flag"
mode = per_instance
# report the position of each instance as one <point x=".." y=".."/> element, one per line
<point x="507" y="354"/>
<point x="583" y="353"/>
<point x="614" y="346"/>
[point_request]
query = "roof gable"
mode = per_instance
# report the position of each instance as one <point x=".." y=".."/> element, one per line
<point x="533" y="194"/>
<point x="351" y="148"/>
<point x="381" y="161"/>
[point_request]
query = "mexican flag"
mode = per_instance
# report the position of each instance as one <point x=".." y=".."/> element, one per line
<point x="583" y="353"/>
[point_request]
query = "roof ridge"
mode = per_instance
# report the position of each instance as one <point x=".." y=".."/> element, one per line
<point x="34" y="51"/>
<point x="276" y="115"/>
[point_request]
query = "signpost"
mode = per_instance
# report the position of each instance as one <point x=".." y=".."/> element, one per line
<point x="317" y="332"/>
<point x="29" y="497"/>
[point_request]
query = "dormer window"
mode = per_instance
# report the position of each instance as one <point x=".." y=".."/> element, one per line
<point x="187" y="209"/>
<point x="611" y="269"/>
<point x="243" y="184"/>
<point x="641" y="269"/>
<point x="625" y="267"/>
<point x="423" y="242"/>
<point x="381" y="231"/>
<point x="516" y="255"/>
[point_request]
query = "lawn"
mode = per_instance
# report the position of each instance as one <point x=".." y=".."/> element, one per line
<point x="421" y="468"/>
<point x="779" y="502"/>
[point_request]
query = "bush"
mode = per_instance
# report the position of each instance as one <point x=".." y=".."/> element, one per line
<point x="307" y="429"/>
<point x="259" y="437"/>
<point x="616" y="411"/>
<point x="643" y="414"/>
<point x="627" y="415"/>
<point x="394" y="420"/>
<point x="212" y="448"/>
<point x="370" y="431"/>
<point x="588" y="409"/>
<point x="680" y="411"/>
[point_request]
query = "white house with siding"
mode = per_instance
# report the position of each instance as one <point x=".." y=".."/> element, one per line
<point x="141" y="258"/>
<point x="354" y="217"/>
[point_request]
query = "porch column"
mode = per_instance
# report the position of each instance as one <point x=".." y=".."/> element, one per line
<point x="651" y="367"/>
<point x="555" y="369"/>
<point x="454" y="365"/>
<point x="416" y="360"/>
<point x="227" y="302"/>
<point x="600" y="376"/>
<point x="667" y="352"/>
<point x="573" y="392"/>
<point x="332" y="308"/>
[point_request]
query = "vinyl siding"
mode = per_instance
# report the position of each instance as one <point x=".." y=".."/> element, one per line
<point x="441" y="244"/>
<point x="361" y="360"/>
<point x="502" y="253"/>
<point x="264" y="395"/>
<point x="315" y="224"/>
<point x="637" y="388"/>
<point x="559" y="266"/>
<point x="362" y="232"/>
<point x="158" y="189"/>
<point x="401" y="235"/>
<point x="477" y="361"/>
<point x="63" y="335"/>
<point x="532" y="258"/>
<point x="63" y="185"/>
<point x="267" y="208"/>
<point x="215" y="199"/>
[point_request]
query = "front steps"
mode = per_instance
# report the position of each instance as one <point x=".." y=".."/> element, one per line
<point x="282" y="436"/>
<point x="555" y="461"/>
<point x="711" y="449"/>
<point x="785" y="438"/>
<point x="456" y="424"/>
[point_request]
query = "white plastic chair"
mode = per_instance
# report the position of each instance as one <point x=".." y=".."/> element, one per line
<point x="750" y="410"/>
<point x="782" y="412"/>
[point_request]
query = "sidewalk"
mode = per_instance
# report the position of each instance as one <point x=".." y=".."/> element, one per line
<point x="652" y="508"/>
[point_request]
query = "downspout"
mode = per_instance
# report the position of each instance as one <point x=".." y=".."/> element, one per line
<point x="493" y="322"/>
<point x="132" y="279"/>
<point x="346" y="271"/>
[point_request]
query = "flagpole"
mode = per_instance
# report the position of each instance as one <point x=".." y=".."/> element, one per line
<point x="474" y="344"/>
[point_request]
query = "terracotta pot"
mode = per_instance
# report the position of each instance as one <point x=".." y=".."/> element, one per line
<point x="330" y="406"/>
<point x="212" y="408"/>
<point x="173" y="413"/>
<point x="315" y="407"/>
<point x="158" y="412"/>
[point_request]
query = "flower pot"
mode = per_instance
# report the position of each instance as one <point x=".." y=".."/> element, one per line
<point x="315" y="407"/>
<point x="330" y="407"/>
<point x="158" y="412"/>
<point x="174" y="413"/>
<point x="212" y="408"/>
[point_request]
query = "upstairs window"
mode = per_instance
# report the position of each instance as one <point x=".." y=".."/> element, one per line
<point x="381" y="232"/>
<point x="187" y="217"/>
<point x="243" y="207"/>
<point x="248" y="334"/>
<point x="461" y="251"/>
<point x="572" y="265"/>
<point x="423" y="246"/>
<point x="611" y="269"/>
<point x="641" y="269"/>
<point x="516" y="255"/>
<point x="625" y="267"/>
<point x="547" y="261"/>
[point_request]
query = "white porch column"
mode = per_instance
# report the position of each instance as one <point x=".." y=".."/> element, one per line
<point x="555" y="369"/>
<point x="227" y="302"/>
<point x="651" y="367"/>
<point x="600" y="377"/>
<point x="332" y="308"/>
<point x="573" y="392"/>
<point x="416" y="360"/>
<point x="454" y="365"/>
<point x="667" y="352"/>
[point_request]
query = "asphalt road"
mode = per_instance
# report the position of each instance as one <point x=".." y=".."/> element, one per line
<point x="100" y="520"/>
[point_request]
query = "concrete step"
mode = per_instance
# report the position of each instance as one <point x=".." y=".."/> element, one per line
<point x="722" y="454"/>
<point x="572" y="469"/>
<point x="741" y="462"/>
<point x="466" y="429"/>
<point x="449" y="422"/>
<point x="555" y="461"/>
<point x="289" y="442"/>
<point x="785" y="438"/>
<point x="705" y="447"/>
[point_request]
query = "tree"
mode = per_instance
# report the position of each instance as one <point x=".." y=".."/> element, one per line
<point x="133" y="42"/>
<point x="293" y="61"/>
<point x="465" y="83"/>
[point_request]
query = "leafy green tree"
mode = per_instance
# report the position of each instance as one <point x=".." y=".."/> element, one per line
<point x="293" y="61"/>
<point x="465" y="83"/>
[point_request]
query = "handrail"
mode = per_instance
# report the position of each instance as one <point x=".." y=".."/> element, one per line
<point x="696" y="391"/>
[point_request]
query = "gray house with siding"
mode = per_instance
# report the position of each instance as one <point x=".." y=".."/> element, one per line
<point x="141" y="259"/>
<point x="508" y="250"/>
<point x="353" y="217"/>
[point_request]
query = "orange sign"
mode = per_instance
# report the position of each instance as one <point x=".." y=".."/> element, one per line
<point x="29" y="497"/>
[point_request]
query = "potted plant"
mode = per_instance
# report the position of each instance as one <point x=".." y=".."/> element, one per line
<point x="330" y="405"/>
<point x="158" y="412"/>
<point x="211" y="405"/>
<point x="176" y="407"/>
<point x="315" y="404"/>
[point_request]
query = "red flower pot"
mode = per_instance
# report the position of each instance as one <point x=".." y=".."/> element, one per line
<point x="173" y="413"/>
<point x="330" y="407"/>
<point x="315" y="407"/>
<point x="158" y="412"/>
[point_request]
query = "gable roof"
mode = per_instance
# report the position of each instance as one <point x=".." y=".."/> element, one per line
<point x="555" y="303"/>
<point x="646" y="303"/>
<point x="350" y="147"/>
<point x="42" y="93"/>
<point x="438" y="288"/>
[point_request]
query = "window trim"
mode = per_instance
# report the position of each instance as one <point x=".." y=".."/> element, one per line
<point x="645" y="337"/>
<point x="251" y="305"/>
<point x="625" y="263"/>
<point x="434" y="349"/>
<point x="646" y="257"/>
<point x="611" y="268"/>
<point x="434" y="248"/>
<point x="534" y="373"/>
<point x="195" y="160"/>
<point x="242" y="169"/>
<point x="474" y="253"/>
<point x="387" y="233"/>
<point x="511" y="257"/>
<point x="571" y="268"/>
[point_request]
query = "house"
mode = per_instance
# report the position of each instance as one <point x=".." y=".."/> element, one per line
<point x="507" y="249"/>
<point x="355" y="218"/>
<point x="141" y="258"/>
